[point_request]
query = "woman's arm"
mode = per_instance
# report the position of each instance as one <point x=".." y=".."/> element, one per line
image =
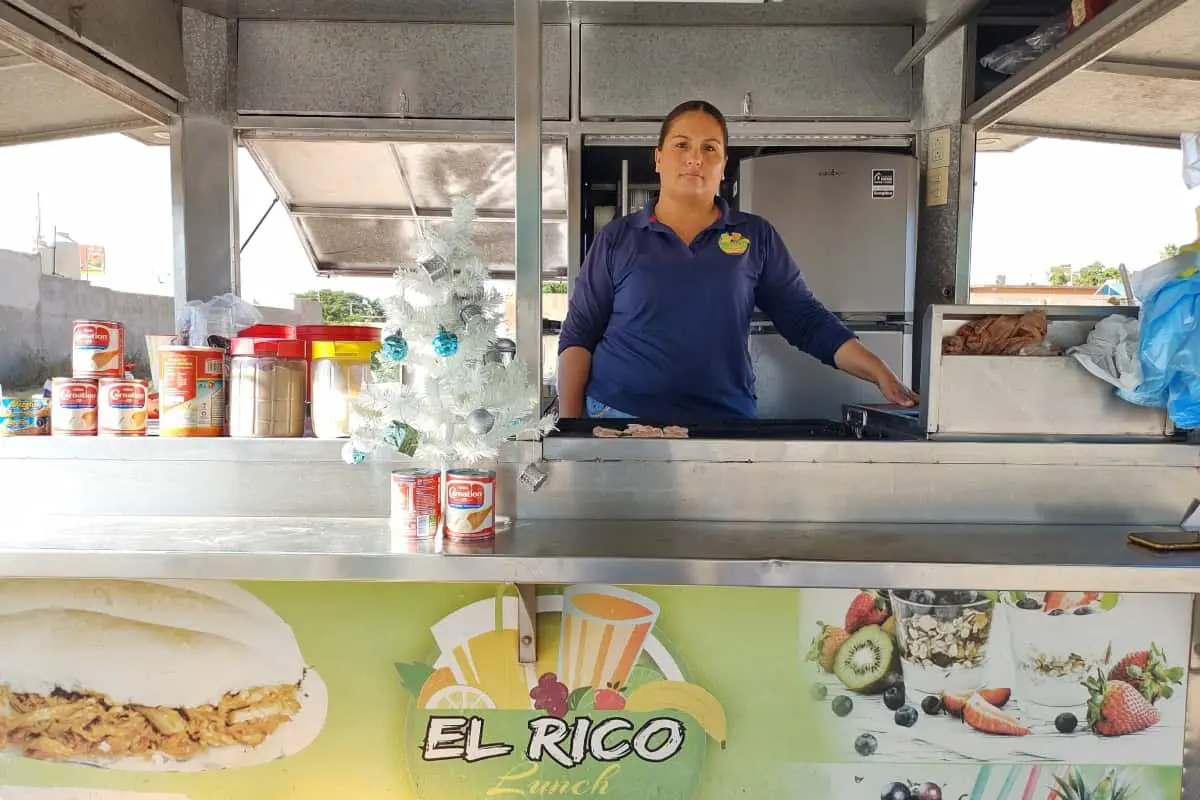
<point x="574" y="367"/>
<point x="854" y="358"/>
<point x="808" y="325"/>
<point x="588" y="313"/>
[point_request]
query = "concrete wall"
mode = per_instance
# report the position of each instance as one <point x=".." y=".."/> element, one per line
<point x="37" y="312"/>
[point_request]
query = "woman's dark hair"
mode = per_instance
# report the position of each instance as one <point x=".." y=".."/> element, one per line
<point x="694" y="105"/>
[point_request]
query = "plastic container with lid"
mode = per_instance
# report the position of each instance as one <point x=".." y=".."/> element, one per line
<point x="338" y="372"/>
<point x="332" y="333"/>
<point x="266" y="388"/>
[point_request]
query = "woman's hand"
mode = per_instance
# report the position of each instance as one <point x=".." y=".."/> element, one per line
<point x="895" y="391"/>
<point x="853" y="357"/>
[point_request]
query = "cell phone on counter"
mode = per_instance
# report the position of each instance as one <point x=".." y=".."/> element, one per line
<point x="1167" y="541"/>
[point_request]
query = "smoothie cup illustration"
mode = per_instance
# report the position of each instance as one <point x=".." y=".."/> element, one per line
<point x="943" y="638"/>
<point x="603" y="631"/>
<point x="1058" y="639"/>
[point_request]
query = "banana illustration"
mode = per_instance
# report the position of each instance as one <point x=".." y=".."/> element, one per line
<point x="681" y="696"/>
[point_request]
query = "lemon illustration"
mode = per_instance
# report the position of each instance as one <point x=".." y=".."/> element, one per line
<point x="459" y="698"/>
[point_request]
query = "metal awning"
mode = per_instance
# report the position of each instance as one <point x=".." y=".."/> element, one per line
<point x="1131" y="75"/>
<point x="54" y="84"/>
<point x="358" y="205"/>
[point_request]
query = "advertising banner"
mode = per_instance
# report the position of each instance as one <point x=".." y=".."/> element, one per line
<point x="211" y="690"/>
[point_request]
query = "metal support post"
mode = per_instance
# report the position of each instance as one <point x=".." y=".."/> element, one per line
<point x="528" y="250"/>
<point x="946" y="149"/>
<point x="204" y="164"/>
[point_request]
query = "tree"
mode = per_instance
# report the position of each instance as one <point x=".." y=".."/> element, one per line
<point x="1061" y="275"/>
<point x="1095" y="275"/>
<point x="345" y="307"/>
<point x="471" y="391"/>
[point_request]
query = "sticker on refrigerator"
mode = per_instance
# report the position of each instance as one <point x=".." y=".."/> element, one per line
<point x="883" y="184"/>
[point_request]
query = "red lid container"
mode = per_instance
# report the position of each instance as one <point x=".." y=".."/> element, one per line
<point x="274" y="348"/>
<point x="337" y="333"/>
<point x="269" y="332"/>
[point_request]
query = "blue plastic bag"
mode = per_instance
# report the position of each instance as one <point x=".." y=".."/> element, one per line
<point x="1169" y="351"/>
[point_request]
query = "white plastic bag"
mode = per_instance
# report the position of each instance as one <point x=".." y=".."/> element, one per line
<point x="206" y="323"/>
<point x="1111" y="352"/>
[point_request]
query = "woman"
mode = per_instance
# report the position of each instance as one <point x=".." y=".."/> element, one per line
<point x="659" y="320"/>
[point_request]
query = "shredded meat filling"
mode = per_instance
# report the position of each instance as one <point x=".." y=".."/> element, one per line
<point x="78" y="724"/>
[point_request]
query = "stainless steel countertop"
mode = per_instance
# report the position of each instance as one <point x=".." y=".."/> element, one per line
<point x="734" y="554"/>
<point x="569" y="448"/>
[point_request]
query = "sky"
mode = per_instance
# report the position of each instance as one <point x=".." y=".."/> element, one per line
<point x="1050" y="202"/>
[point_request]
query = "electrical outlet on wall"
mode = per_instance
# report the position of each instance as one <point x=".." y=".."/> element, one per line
<point x="938" y="153"/>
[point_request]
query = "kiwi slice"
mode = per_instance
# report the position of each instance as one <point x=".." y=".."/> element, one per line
<point x="865" y="662"/>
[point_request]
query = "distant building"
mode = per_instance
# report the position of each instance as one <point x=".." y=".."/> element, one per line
<point x="1111" y="293"/>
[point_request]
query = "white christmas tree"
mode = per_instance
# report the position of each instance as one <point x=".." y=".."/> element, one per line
<point x="445" y="389"/>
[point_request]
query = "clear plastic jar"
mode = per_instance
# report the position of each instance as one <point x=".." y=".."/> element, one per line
<point x="266" y="388"/>
<point x="338" y="372"/>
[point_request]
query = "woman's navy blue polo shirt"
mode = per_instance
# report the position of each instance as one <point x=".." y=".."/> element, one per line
<point x="668" y="324"/>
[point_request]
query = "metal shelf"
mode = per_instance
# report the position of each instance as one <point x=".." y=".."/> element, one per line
<point x="1026" y="557"/>
<point x="1128" y="76"/>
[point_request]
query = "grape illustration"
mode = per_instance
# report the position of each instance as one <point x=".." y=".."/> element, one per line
<point x="550" y="696"/>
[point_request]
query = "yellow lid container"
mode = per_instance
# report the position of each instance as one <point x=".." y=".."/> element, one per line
<point x="344" y="351"/>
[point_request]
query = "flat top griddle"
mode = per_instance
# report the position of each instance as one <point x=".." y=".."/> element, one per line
<point x="780" y="429"/>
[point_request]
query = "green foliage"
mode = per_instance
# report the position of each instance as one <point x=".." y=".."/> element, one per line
<point x="1061" y="275"/>
<point x="554" y="287"/>
<point x="339" y="307"/>
<point x="1170" y="251"/>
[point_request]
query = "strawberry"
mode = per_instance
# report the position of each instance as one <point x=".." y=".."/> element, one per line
<point x="985" y="717"/>
<point x="954" y="702"/>
<point x="1116" y="708"/>
<point x="1069" y="600"/>
<point x="1147" y="671"/>
<point x="608" y="699"/>
<point x="825" y="645"/>
<point x="867" y="608"/>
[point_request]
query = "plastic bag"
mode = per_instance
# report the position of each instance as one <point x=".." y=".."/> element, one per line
<point x="1169" y="352"/>
<point x="1009" y="59"/>
<point x="1111" y="352"/>
<point x="214" y="322"/>
<point x="1189" y="143"/>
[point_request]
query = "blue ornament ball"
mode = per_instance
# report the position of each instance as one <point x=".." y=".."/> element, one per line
<point x="395" y="348"/>
<point x="445" y="344"/>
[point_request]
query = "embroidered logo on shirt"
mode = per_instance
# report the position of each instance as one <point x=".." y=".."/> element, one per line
<point x="733" y="244"/>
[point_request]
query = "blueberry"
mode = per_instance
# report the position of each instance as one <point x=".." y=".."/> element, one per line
<point x="1065" y="722"/>
<point x="893" y="698"/>
<point x="1058" y="612"/>
<point x="1084" y="610"/>
<point x="931" y="705"/>
<point x="866" y="745"/>
<point x="819" y="691"/>
<point x="842" y="705"/>
<point x="1029" y="604"/>
<point x="925" y="597"/>
<point x="906" y="716"/>
<point x="896" y="791"/>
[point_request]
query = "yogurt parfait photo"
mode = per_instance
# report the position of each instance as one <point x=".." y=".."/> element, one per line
<point x="924" y="675"/>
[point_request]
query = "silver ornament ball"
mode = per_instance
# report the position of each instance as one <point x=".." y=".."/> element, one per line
<point x="470" y="312"/>
<point x="480" y="421"/>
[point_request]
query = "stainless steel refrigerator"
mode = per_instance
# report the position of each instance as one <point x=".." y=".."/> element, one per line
<point x="849" y="219"/>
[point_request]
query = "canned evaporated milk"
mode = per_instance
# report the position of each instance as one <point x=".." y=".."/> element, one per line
<point x="97" y="349"/>
<point x="416" y="502"/>
<point x="123" y="407"/>
<point x="192" y="396"/>
<point x="470" y="504"/>
<point x="73" y="407"/>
